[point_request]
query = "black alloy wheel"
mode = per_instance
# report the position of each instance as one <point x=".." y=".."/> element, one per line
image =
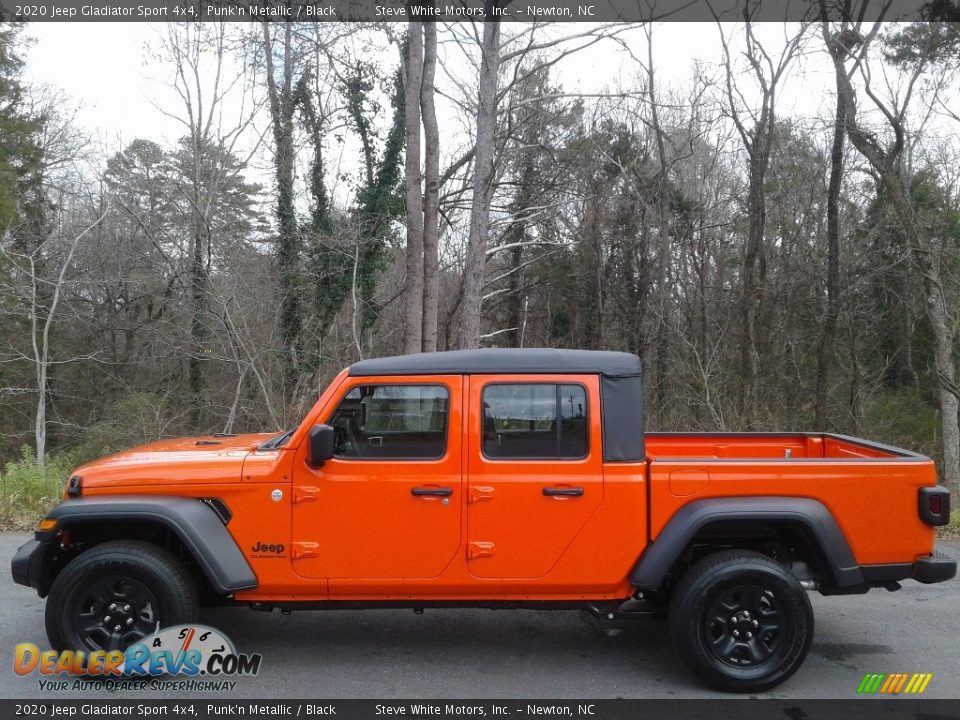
<point x="741" y="621"/>
<point x="112" y="612"/>
<point x="116" y="594"/>
<point x="744" y="626"/>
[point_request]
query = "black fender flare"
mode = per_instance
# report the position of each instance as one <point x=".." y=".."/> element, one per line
<point x="660" y="555"/>
<point x="194" y="522"/>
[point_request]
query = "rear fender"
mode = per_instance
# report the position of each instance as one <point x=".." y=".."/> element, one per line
<point x="661" y="554"/>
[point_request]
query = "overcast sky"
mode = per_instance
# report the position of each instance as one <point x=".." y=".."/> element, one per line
<point x="117" y="87"/>
<point x="103" y="66"/>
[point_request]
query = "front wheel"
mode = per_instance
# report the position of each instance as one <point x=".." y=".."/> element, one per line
<point x="741" y="622"/>
<point x="117" y="593"/>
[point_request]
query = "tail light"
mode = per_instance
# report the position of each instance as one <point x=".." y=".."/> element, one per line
<point x="934" y="505"/>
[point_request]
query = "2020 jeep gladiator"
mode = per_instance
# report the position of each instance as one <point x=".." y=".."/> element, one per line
<point x="492" y="478"/>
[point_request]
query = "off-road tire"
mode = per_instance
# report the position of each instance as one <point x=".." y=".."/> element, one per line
<point x="146" y="578"/>
<point x="736" y="593"/>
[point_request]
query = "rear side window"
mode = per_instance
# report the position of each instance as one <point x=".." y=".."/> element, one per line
<point x="392" y="422"/>
<point x="535" y="421"/>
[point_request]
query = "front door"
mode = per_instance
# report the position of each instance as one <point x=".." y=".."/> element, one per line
<point x="388" y="504"/>
<point x="535" y="471"/>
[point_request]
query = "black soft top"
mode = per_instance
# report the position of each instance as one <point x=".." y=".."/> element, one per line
<point x="503" y="360"/>
<point x="621" y="385"/>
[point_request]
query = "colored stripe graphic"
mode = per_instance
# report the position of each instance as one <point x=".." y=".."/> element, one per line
<point x="891" y="679"/>
<point x="919" y="683"/>
<point x="894" y="683"/>
<point x="900" y="683"/>
<point x="871" y="683"/>
<point x="914" y="682"/>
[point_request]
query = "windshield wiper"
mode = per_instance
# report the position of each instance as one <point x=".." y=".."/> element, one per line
<point x="276" y="441"/>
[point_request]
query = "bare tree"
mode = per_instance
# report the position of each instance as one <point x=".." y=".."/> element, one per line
<point x="42" y="316"/>
<point x="431" y="195"/>
<point x="829" y="331"/>
<point x="283" y="90"/>
<point x="483" y="176"/>
<point x="848" y="44"/>
<point x="198" y="53"/>
<point x="756" y="130"/>
<point x="413" y="289"/>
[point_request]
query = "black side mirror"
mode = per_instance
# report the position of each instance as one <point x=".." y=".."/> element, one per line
<point x="320" y="446"/>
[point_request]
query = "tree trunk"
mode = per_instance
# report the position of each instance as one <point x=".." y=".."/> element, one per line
<point x="943" y="359"/>
<point x="516" y="235"/>
<point x="198" y="335"/>
<point x="431" y="198"/>
<point x="829" y="333"/>
<point x="483" y="175"/>
<point x="515" y="297"/>
<point x="413" y="289"/>
<point x="663" y="239"/>
<point x="888" y="165"/>
<point x="40" y="338"/>
<point x="943" y="336"/>
<point x="757" y="209"/>
<point x="288" y="249"/>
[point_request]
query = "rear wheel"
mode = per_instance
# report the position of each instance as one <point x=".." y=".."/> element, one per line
<point x="117" y="593"/>
<point x="741" y="621"/>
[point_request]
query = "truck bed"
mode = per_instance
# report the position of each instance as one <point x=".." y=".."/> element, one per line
<point x="784" y="446"/>
<point x="870" y="489"/>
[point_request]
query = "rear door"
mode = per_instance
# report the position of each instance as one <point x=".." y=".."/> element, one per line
<point x="535" y="472"/>
<point x="388" y="504"/>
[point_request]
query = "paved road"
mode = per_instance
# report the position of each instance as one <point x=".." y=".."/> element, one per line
<point x="529" y="654"/>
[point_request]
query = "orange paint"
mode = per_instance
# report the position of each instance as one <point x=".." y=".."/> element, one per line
<point x="352" y="529"/>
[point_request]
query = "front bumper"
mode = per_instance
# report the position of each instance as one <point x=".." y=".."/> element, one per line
<point x="29" y="566"/>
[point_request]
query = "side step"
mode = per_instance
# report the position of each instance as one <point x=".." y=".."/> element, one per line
<point x="635" y="607"/>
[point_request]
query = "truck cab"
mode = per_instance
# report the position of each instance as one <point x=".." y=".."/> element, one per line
<point x="498" y="478"/>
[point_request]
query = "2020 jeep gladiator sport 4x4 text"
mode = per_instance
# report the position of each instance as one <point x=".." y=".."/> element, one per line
<point x="493" y="478"/>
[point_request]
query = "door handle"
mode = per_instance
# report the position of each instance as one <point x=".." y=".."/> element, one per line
<point x="431" y="492"/>
<point x="563" y="491"/>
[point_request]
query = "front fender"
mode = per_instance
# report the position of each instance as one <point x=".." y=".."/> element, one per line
<point x="195" y="523"/>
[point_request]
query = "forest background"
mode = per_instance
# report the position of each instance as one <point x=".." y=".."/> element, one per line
<point x="774" y="227"/>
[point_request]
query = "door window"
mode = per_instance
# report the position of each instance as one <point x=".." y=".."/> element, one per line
<point x="535" y="421"/>
<point x="392" y="422"/>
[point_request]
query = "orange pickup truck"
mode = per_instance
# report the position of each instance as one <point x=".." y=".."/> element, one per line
<point x="493" y="478"/>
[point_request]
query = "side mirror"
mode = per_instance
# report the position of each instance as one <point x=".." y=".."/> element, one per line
<point x="320" y="446"/>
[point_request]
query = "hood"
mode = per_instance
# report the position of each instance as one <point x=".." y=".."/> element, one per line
<point x="180" y="461"/>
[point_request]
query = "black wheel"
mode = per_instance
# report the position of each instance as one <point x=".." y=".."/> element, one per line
<point x="740" y="621"/>
<point x="117" y="593"/>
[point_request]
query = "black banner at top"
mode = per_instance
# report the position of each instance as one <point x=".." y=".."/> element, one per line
<point x="449" y="10"/>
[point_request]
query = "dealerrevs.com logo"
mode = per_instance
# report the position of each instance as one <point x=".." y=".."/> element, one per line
<point x="181" y="657"/>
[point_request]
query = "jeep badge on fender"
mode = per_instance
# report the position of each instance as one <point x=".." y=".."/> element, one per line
<point x="266" y="550"/>
<point x="500" y="478"/>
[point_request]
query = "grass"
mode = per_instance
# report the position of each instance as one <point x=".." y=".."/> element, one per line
<point x="27" y="493"/>
<point x="952" y="529"/>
